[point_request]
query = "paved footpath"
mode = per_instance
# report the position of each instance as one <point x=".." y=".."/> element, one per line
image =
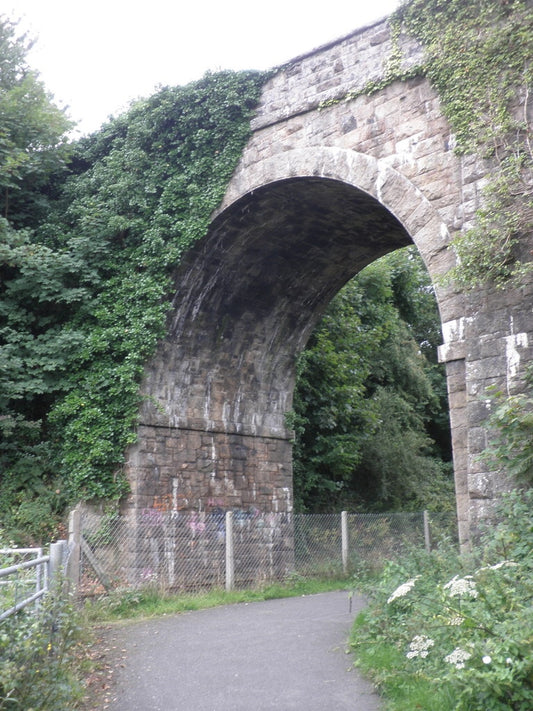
<point x="288" y="655"/>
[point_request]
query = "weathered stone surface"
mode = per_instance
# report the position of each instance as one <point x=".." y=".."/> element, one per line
<point x="320" y="192"/>
<point x="179" y="469"/>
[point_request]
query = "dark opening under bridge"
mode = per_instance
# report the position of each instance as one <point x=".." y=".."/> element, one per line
<point x="324" y="187"/>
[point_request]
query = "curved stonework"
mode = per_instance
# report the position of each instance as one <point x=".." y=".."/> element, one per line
<point x="320" y="192"/>
<point x="377" y="178"/>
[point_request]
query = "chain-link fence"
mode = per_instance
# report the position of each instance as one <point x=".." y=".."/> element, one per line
<point x="340" y="543"/>
<point x="193" y="551"/>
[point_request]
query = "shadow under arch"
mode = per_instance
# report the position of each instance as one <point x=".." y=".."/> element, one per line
<point x="375" y="177"/>
<point x="212" y="437"/>
<point x="291" y="231"/>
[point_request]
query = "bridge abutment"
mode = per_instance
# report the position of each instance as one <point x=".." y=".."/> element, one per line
<point x="184" y="469"/>
<point x="330" y="180"/>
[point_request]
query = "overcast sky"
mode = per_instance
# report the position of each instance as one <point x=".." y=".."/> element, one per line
<point x="95" y="57"/>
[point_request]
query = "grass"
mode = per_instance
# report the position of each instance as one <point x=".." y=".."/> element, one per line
<point x="403" y="689"/>
<point x="152" y="602"/>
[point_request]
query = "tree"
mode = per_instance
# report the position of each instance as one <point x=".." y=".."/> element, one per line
<point x="330" y="416"/>
<point x="370" y="410"/>
<point x="33" y="132"/>
<point x="38" y="286"/>
<point x="87" y="281"/>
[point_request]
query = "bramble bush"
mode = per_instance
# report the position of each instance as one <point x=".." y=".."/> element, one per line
<point x="39" y="653"/>
<point x="445" y="631"/>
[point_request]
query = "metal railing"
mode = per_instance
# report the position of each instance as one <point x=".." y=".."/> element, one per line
<point x="24" y="582"/>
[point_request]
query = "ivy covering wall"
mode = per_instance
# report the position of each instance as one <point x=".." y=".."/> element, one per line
<point x="479" y="58"/>
<point x="86" y="290"/>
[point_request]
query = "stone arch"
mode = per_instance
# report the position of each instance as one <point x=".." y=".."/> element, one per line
<point x="290" y="232"/>
<point x="288" y="235"/>
<point x="331" y="178"/>
<point x="376" y="177"/>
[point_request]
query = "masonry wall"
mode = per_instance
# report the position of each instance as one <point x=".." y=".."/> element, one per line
<point x="381" y="171"/>
<point x="178" y="469"/>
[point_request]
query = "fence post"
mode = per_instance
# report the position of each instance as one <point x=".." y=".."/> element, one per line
<point x="427" y="532"/>
<point x="230" y="558"/>
<point x="55" y="565"/>
<point x="38" y="576"/>
<point x="344" y="541"/>
<point x="74" y="547"/>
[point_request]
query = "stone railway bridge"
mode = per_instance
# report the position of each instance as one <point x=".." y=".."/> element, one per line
<point x="324" y="187"/>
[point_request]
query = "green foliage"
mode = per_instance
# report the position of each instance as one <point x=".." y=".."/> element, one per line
<point x="85" y="292"/>
<point x="491" y="251"/>
<point x="144" y="190"/>
<point x="39" y="658"/>
<point x="330" y="384"/>
<point x="39" y="287"/>
<point x="452" y="632"/>
<point x="370" y="403"/>
<point x="33" y="142"/>
<point x="478" y="57"/>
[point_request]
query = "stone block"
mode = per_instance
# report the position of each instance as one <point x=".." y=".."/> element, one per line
<point x="224" y="389"/>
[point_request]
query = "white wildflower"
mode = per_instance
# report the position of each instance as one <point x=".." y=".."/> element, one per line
<point x="502" y="564"/>
<point x="403" y="589"/>
<point x="419" y="646"/>
<point x="458" y="657"/>
<point x="508" y="660"/>
<point x="456" y="621"/>
<point x="459" y="587"/>
<point x="497" y="566"/>
<point x="487" y="659"/>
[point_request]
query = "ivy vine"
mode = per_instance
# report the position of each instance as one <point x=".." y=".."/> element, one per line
<point x="479" y="59"/>
<point x="510" y="424"/>
<point x="143" y="190"/>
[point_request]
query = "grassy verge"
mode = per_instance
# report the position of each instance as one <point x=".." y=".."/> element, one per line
<point x="151" y="602"/>
<point x="447" y="632"/>
<point x="402" y="687"/>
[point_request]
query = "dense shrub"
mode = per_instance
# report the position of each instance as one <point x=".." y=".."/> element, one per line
<point x="39" y="656"/>
<point x="446" y="631"/>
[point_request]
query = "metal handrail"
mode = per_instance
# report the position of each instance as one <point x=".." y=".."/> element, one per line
<point x="41" y="584"/>
<point x="22" y="603"/>
<point x="4" y="572"/>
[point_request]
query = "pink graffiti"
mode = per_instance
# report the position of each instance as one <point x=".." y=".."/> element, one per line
<point x="195" y="524"/>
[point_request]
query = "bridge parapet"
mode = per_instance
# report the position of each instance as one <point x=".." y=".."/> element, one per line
<point x="327" y="74"/>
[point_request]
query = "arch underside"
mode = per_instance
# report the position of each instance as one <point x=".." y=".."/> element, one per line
<point x="249" y="295"/>
<point x="289" y="234"/>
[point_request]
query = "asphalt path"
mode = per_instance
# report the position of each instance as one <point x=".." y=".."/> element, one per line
<point x="282" y="654"/>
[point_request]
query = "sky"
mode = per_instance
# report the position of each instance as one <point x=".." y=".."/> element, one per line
<point x="95" y="57"/>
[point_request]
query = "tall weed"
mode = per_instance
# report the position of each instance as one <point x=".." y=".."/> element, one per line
<point x="39" y="654"/>
<point x="445" y="631"/>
